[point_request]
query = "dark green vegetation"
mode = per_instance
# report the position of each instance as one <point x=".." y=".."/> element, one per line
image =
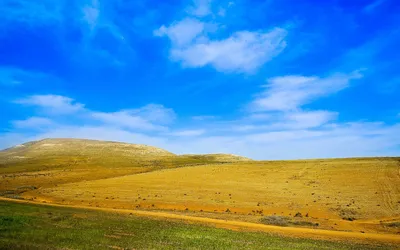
<point x="24" y="226"/>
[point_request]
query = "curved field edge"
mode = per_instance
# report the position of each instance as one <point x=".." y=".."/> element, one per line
<point x="255" y="236"/>
<point x="33" y="226"/>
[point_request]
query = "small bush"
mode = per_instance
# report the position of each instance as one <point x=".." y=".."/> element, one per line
<point x="26" y="188"/>
<point x="392" y="224"/>
<point x="304" y="223"/>
<point x="275" y="220"/>
<point x="298" y="214"/>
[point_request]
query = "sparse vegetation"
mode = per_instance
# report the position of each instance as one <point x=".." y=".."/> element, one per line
<point x="298" y="214"/>
<point x="349" y="218"/>
<point x="392" y="224"/>
<point x="275" y="220"/>
<point x="304" y="223"/>
<point x="284" y="221"/>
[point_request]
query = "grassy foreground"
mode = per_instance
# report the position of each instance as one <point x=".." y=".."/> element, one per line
<point x="24" y="226"/>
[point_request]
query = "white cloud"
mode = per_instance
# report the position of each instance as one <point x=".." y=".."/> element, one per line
<point x="203" y="117"/>
<point x="259" y="117"/>
<point x="182" y="32"/>
<point x="244" y="51"/>
<point x="145" y="118"/>
<point x="12" y="76"/>
<point x="281" y="121"/>
<point x="33" y="122"/>
<point x="201" y="8"/>
<point x="246" y="128"/>
<point x="91" y="13"/>
<point x="54" y="104"/>
<point x="125" y="119"/>
<point x="187" y="133"/>
<point x="309" y="119"/>
<point x="155" y="113"/>
<point x="291" y="92"/>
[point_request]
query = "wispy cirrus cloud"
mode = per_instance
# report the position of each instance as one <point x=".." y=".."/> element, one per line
<point x="33" y="123"/>
<point x="12" y="76"/>
<point x="149" y="117"/>
<point x="203" y="117"/>
<point x="125" y="119"/>
<point x="188" y="133"/>
<point x="286" y="93"/>
<point x="155" y="113"/>
<point x="53" y="104"/>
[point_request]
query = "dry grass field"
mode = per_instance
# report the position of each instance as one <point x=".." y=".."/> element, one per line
<point x="351" y="195"/>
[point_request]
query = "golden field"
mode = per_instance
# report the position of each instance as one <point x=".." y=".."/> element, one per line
<point x="357" y="195"/>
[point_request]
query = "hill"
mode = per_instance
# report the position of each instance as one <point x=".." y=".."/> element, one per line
<point x="74" y="153"/>
<point x="52" y="162"/>
<point x="56" y="152"/>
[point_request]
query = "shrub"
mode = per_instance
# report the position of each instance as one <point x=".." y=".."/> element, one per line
<point x="298" y="214"/>
<point x="392" y="224"/>
<point x="304" y="223"/>
<point x="275" y="220"/>
<point x="349" y="218"/>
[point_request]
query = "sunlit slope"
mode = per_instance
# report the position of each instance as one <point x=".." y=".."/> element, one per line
<point x="331" y="189"/>
<point x="58" y="153"/>
<point x="77" y="153"/>
<point x="52" y="162"/>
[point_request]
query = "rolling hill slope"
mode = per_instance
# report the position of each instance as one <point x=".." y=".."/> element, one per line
<point x="52" y="162"/>
<point x="75" y="153"/>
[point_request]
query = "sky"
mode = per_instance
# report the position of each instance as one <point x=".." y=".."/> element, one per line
<point x="271" y="79"/>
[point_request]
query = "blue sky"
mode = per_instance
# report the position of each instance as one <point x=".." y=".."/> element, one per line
<point x="283" y="79"/>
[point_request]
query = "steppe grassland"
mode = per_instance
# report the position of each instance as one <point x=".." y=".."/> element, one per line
<point x="328" y="191"/>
